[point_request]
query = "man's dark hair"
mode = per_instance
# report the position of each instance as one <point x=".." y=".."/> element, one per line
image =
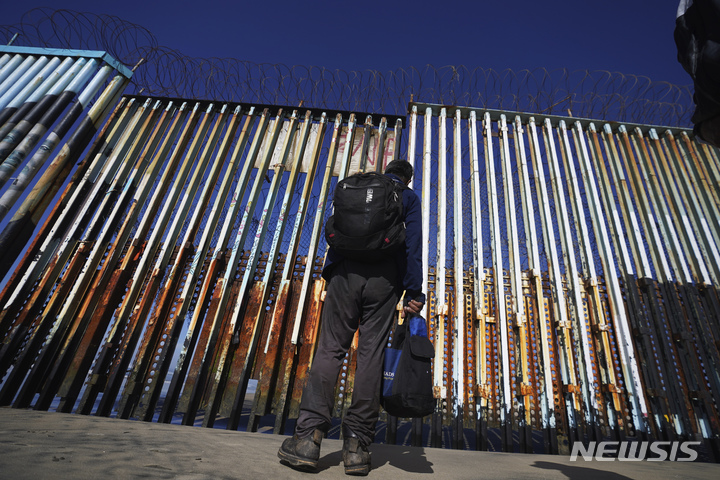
<point x="400" y="168"/>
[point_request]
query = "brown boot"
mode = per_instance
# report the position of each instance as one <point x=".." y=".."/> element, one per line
<point x="301" y="453"/>
<point x="356" y="456"/>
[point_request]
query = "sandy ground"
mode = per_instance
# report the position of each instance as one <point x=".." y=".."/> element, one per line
<point x="48" y="445"/>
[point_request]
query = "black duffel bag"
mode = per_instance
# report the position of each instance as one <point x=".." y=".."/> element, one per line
<point x="407" y="388"/>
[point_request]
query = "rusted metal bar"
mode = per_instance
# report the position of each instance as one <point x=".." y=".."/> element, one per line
<point x="105" y="253"/>
<point x="219" y="289"/>
<point x="307" y="314"/>
<point x="18" y="231"/>
<point x="65" y="243"/>
<point x="667" y="354"/>
<point x="501" y="312"/>
<point x="479" y="311"/>
<point x="583" y="348"/>
<point x="170" y="307"/>
<point x="257" y="293"/>
<point x="94" y="311"/>
<point x="278" y="335"/>
<point x="19" y="282"/>
<point x="215" y="359"/>
<point x="622" y="324"/>
<point x="683" y="318"/>
<point x="23" y="179"/>
<point x="83" y="265"/>
<point x="135" y="284"/>
<point x="518" y="333"/>
<point x="144" y="387"/>
<point x="459" y="351"/>
<point x="559" y="335"/>
<point x="48" y="311"/>
<point x="20" y="141"/>
<point x="532" y="242"/>
<point x="320" y="215"/>
<point x="593" y="321"/>
<point x="697" y="209"/>
<point x="131" y="314"/>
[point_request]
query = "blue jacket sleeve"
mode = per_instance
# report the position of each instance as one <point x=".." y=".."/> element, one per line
<point x="412" y="280"/>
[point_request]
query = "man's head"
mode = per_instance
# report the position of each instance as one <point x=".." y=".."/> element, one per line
<point x="400" y="168"/>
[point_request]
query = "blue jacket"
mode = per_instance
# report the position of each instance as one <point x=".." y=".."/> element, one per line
<point x="409" y="265"/>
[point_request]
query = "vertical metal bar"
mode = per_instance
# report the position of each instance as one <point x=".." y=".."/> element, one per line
<point x="628" y="363"/>
<point x="143" y="264"/>
<point x="18" y="230"/>
<point x="60" y="240"/>
<point x="532" y="242"/>
<point x="481" y="375"/>
<point x="559" y="305"/>
<point x="52" y="140"/>
<point x="38" y="253"/>
<point x="689" y="350"/>
<point x="279" y="357"/>
<point x="10" y="67"/>
<point x="412" y="134"/>
<point x="49" y="310"/>
<point x="665" y="276"/>
<point x="16" y="74"/>
<point x="308" y="316"/>
<point x="697" y="205"/>
<point x="677" y="206"/>
<point x="702" y="181"/>
<point x="20" y="141"/>
<point x="260" y="292"/>
<point x="248" y="311"/>
<point x="170" y="308"/>
<point x="579" y="326"/>
<point x="110" y="287"/>
<point x="130" y="315"/>
<point x="598" y="328"/>
<point x="501" y="317"/>
<point x="380" y="149"/>
<point x="220" y="287"/>
<point x="199" y="387"/>
<point x="83" y="264"/>
<point x="398" y="137"/>
<point x="12" y="91"/>
<point x="459" y="359"/>
<point x="441" y="301"/>
<point x="40" y="96"/>
<point x="107" y="253"/>
<point x="426" y="193"/>
<point x="518" y="317"/>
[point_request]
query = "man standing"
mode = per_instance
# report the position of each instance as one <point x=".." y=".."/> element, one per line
<point x="361" y="295"/>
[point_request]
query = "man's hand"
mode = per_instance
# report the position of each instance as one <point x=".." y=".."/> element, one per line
<point x="413" y="307"/>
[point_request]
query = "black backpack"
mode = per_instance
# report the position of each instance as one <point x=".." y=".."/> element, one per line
<point x="367" y="223"/>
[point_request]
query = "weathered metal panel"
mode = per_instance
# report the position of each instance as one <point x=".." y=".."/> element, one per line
<point x="570" y="272"/>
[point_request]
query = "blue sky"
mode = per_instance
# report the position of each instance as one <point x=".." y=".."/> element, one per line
<point x="627" y="36"/>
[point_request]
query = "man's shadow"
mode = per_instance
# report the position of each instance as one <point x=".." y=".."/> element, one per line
<point x="408" y="459"/>
<point x="571" y="471"/>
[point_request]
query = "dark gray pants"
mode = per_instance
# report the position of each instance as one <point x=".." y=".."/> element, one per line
<point x="359" y="296"/>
